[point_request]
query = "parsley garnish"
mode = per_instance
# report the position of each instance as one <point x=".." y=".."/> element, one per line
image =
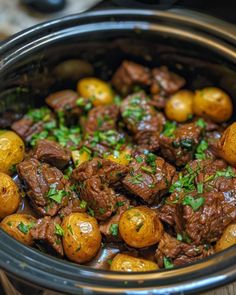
<point x="201" y="123"/>
<point x="139" y="159"/>
<point x="147" y="169"/>
<point x="119" y="204"/>
<point x="201" y="148"/>
<point x="91" y="212"/>
<point x="169" y="129"/>
<point x="167" y="263"/>
<point x="83" y="204"/>
<point x="69" y="227"/>
<point x="24" y="228"/>
<point x="114" y="230"/>
<point x="59" y="230"/>
<point x="200" y="188"/>
<point x="187" y="143"/>
<point x="38" y="136"/>
<point x="56" y="195"/>
<point x="36" y="115"/>
<point x="179" y="237"/>
<point x="228" y="173"/>
<point x="136" y="179"/>
<point x="194" y="203"/>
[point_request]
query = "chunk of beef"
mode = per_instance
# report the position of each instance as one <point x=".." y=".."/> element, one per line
<point x="207" y="224"/>
<point x="179" y="147"/>
<point x="26" y="128"/>
<point x="142" y="120"/>
<point x="64" y="100"/>
<point x="159" y="100"/>
<point x="101" y="142"/>
<point x="130" y="74"/>
<point x="99" y="197"/>
<point x="47" y="233"/>
<point x="74" y="205"/>
<point x="109" y="228"/>
<point x="149" y="177"/>
<point x="213" y="184"/>
<point x="212" y="139"/>
<point x="180" y="253"/>
<point x="102" y="118"/>
<point x="43" y="183"/>
<point x="52" y="153"/>
<point x="109" y="171"/>
<point x="165" y="81"/>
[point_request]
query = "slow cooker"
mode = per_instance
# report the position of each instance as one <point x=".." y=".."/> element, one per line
<point x="200" y="48"/>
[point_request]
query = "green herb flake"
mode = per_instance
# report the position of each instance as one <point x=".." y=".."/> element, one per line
<point x="101" y="210"/>
<point x="201" y="123"/>
<point x="69" y="227"/>
<point x="200" y="188"/>
<point x="56" y="195"/>
<point x="36" y="115"/>
<point x="200" y="151"/>
<point x="109" y="261"/>
<point x="91" y="212"/>
<point x="59" y="230"/>
<point x="139" y="159"/>
<point x="147" y="169"/>
<point x="169" y="129"/>
<point x="167" y="263"/>
<point x="120" y="204"/>
<point x="187" y="144"/>
<point x="25" y="228"/>
<point x="192" y="202"/>
<point x="228" y="173"/>
<point x="83" y="204"/>
<point x="179" y="237"/>
<point x="114" y="230"/>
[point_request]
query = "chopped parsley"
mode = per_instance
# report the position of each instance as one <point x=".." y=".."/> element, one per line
<point x="192" y="202"/>
<point x="38" y="136"/>
<point x="136" y="179"/>
<point x="187" y="143"/>
<point x="120" y="204"/>
<point x="201" y="123"/>
<point x="65" y="135"/>
<point x="36" y="115"/>
<point x="201" y="148"/>
<point x="83" y="204"/>
<point x="109" y="261"/>
<point x="179" y="237"/>
<point x="59" y="230"/>
<point x="85" y="104"/>
<point x="24" y="228"/>
<point x="91" y="212"/>
<point x="167" y="263"/>
<point x="134" y="112"/>
<point x="101" y="210"/>
<point x="56" y="195"/>
<point x="147" y="169"/>
<point x="139" y="159"/>
<point x="169" y="129"/>
<point x="69" y="227"/>
<point x="114" y="229"/>
<point x="228" y="173"/>
<point x="200" y="188"/>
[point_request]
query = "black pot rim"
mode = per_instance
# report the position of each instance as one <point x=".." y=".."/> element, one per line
<point x="51" y="273"/>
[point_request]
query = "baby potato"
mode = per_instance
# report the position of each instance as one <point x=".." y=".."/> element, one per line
<point x="97" y="90"/>
<point x="213" y="103"/>
<point x="9" y="195"/>
<point x="180" y="106"/>
<point x="11" y="150"/>
<point x="140" y="227"/>
<point x="120" y="157"/>
<point x="82" y="238"/>
<point x="80" y="157"/>
<point x="123" y="262"/>
<point x="227" y="239"/>
<point x="18" y="226"/>
<point x="227" y="145"/>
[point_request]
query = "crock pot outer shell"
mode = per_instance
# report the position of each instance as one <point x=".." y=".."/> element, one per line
<point x="203" y="53"/>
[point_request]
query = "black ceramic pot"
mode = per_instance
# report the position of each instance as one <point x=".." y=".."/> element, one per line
<point x="201" y="49"/>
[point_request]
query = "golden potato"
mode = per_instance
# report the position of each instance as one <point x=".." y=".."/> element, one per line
<point x="82" y="238"/>
<point x="97" y="90"/>
<point x="11" y="150"/>
<point x="140" y="227"/>
<point x="121" y="157"/>
<point x="18" y="226"/>
<point x="180" y="106"/>
<point x="227" y="239"/>
<point x="80" y="156"/>
<point x="123" y="262"/>
<point x="9" y="195"/>
<point x="227" y="145"/>
<point x="213" y="103"/>
<point x="73" y="69"/>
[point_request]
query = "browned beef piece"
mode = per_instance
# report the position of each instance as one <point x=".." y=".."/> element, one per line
<point x="179" y="148"/>
<point x="109" y="228"/>
<point x="102" y="118"/>
<point x="130" y="74"/>
<point x="165" y="81"/>
<point x="109" y="171"/>
<point x="142" y="120"/>
<point x="99" y="197"/>
<point x="74" y="205"/>
<point x="101" y="142"/>
<point x="26" y="128"/>
<point x="52" y="153"/>
<point x="212" y="139"/>
<point x="159" y="101"/>
<point x="64" y="100"/>
<point x="40" y="180"/>
<point x="217" y="210"/>
<point x="208" y="223"/>
<point x="180" y="253"/>
<point x="46" y="232"/>
<point x="149" y="178"/>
